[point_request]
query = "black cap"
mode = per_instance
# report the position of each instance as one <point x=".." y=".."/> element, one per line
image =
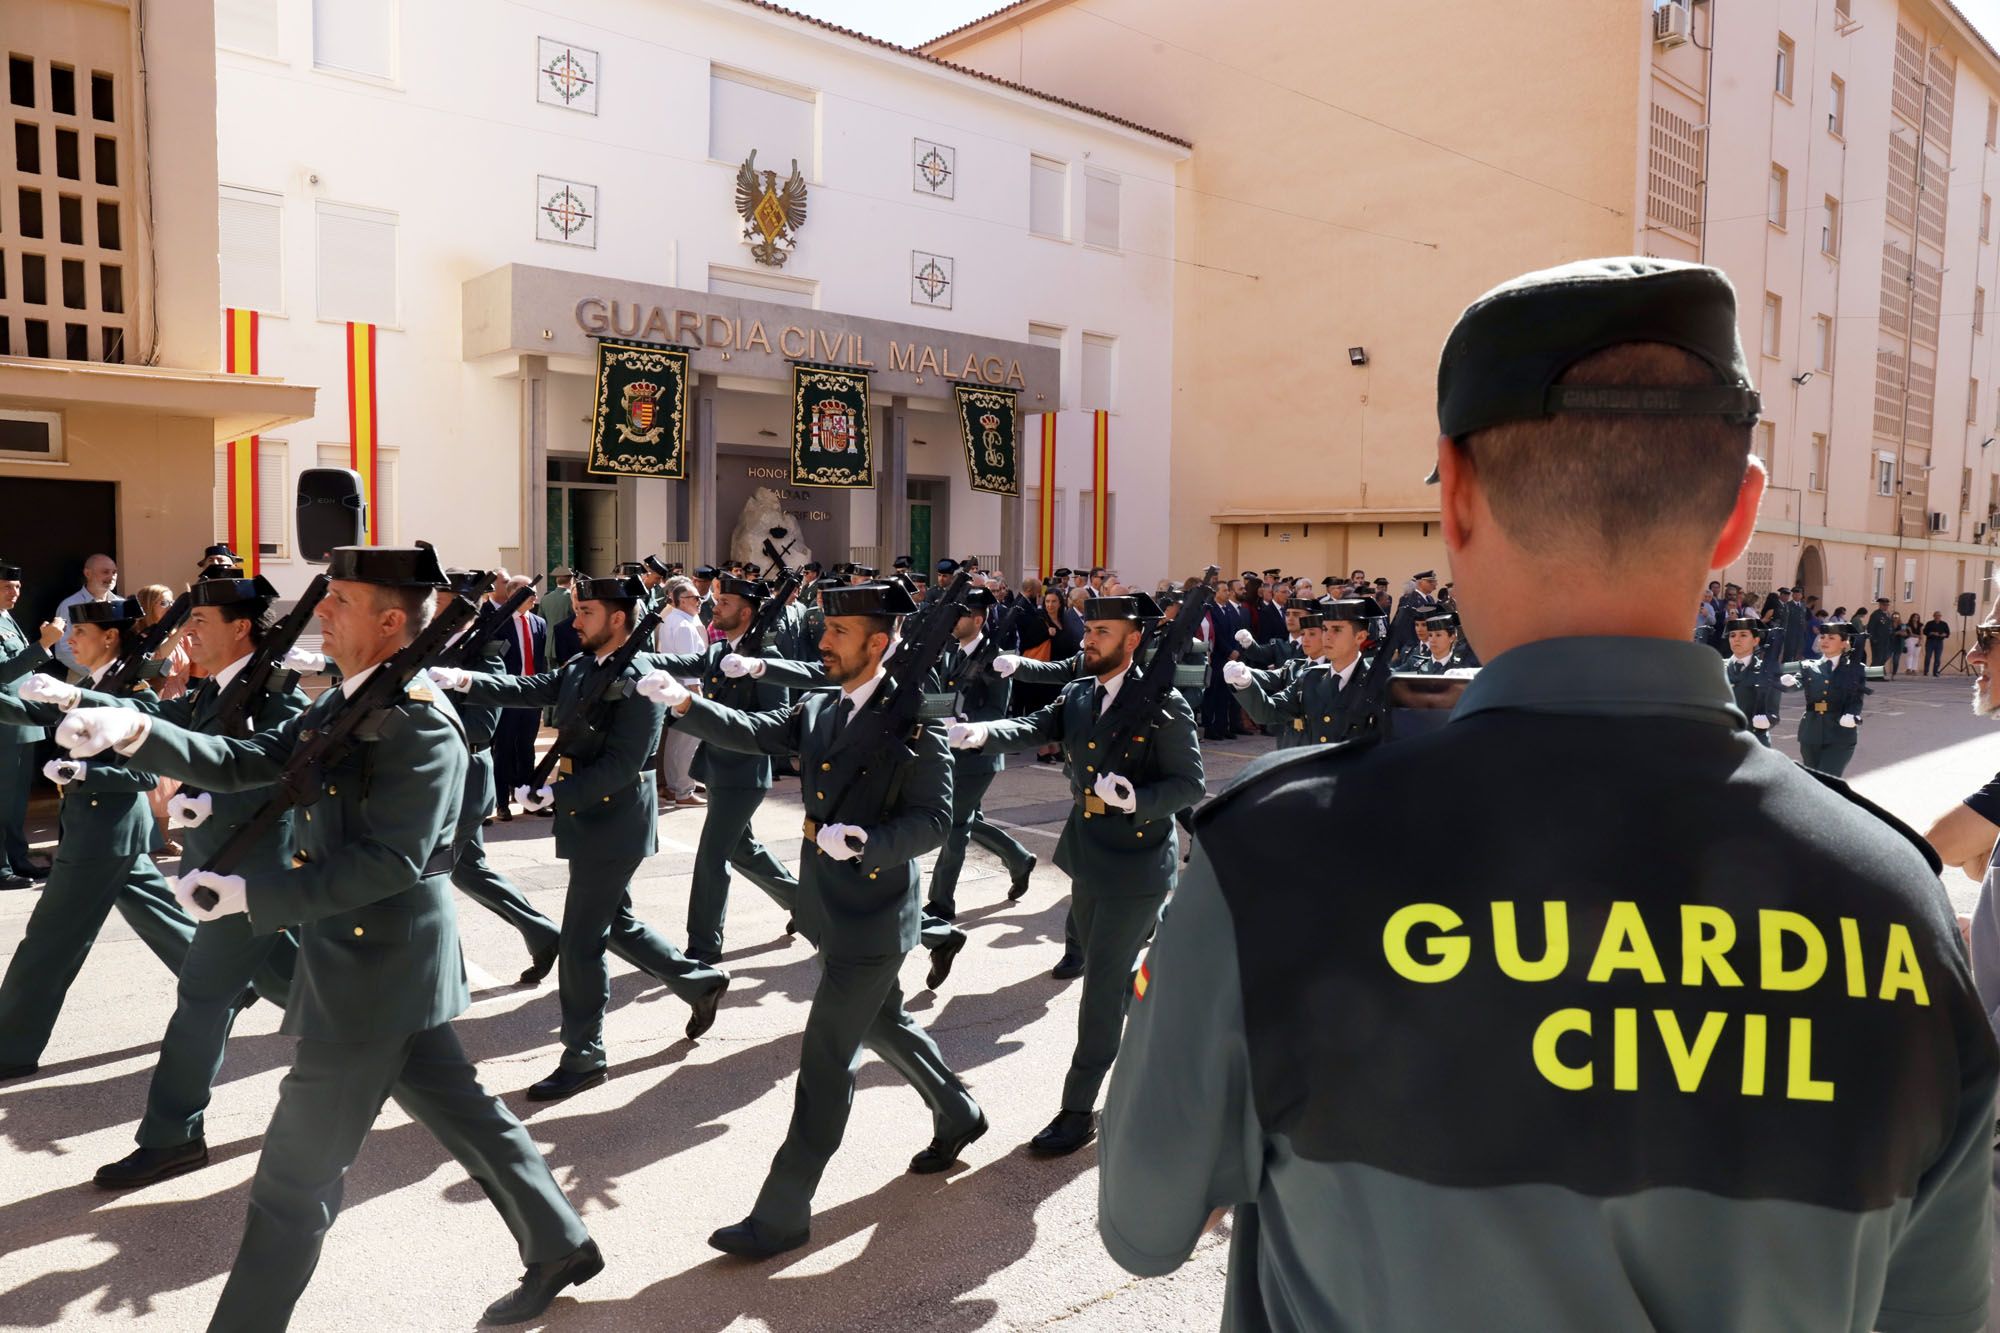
<point x="388" y="566"/>
<point x="1751" y="623"/>
<point x="901" y="562"/>
<point x="1841" y="627"/>
<point x="657" y="565"/>
<point x="1132" y="606"/>
<point x="232" y="592"/>
<point x="976" y="601"/>
<point x="947" y="566"/>
<point x="1427" y="574"/>
<point x="833" y="581"/>
<point x="874" y="598"/>
<point x="750" y="590"/>
<point x="117" y="611"/>
<point x="220" y="572"/>
<point x="617" y="588"/>
<point x="1329" y="582"/>
<point x="704" y="571"/>
<point x="863" y="572"/>
<point x="220" y="549"/>
<point x="9" y="570"/>
<point x="1062" y="574"/>
<point x="810" y="567"/>
<point x="1297" y="604"/>
<point x="1358" y="609"/>
<point x="470" y="582"/>
<point x="901" y="578"/>
<point x="1311" y="620"/>
<point x="1881" y="601"/>
<point x="630" y="569"/>
<point x="1272" y="573"/>
<point x="1445" y="620"/>
<point x="1508" y="349"/>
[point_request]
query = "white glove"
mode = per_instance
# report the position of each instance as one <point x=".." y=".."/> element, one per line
<point x="185" y="811"/>
<point x="230" y="897"/>
<point x="1235" y="675"/>
<point x="1116" y="792"/>
<point x="965" y="735"/>
<point x="1850" y="721"/>
<point x="1244" y="638"/>
<point x="1789" y="681"/>
<point x="64" y="771"/>
<point x="306" y="662"/>
<point x="89" y="731"/>
<point x="535" y="798"/>
<point x="1761" y="722"/>
<point x="842" y="842"/>
<point x="736" y="666"/>
<point x="663" y="689"/>
<point x="455" y="679"/>
<point x="1006" y="664"/>
<point x="40" y="689"/>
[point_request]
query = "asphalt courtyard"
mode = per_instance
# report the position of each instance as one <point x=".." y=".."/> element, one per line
<point x="677" y="1141"/>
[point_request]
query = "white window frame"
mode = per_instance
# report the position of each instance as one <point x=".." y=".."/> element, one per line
<point x="1885" y="473"/>
<point x="1881" y="571"/>
<point x="321" y="210"/>
<point x="1039" y="161"/>
<point x="274" y="469"/>
<point x="1778" y="197"/>
<point x="1816" y="465"/>
<point x="275" y="201"/>
<point x="1909" y="578"/>
<point x="1787" y="67"/>
<point x="395" y="17"/>
<point x="1774" y="325"/>
<point x="268" y="7"/>
<point x="1107" y="345"/>
<point x="1101" y="177"/>
<point x="809" y="164"/>
<point x="1823" y="343"/>
<point x="1767" y="444"/>
<point x="1829" y="228"/>
<point x="1836" y="118"/>
<point x="57" y="456"/>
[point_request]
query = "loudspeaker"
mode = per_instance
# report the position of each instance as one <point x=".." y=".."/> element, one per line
<point x="331" y="511"/>
<point x="1968" y="604"/>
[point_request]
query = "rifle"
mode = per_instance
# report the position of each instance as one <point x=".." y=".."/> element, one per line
<point x="303" y="779"/>
<point x="594" y="690"/>
<point x="881" y="731"/>
<point x="1135" y="713"/>
<point x="264" y="667"/>
<point x="491" y="619"/>
<point x="130" y="668"/>
<point x="1009" y="628"/>
<point x="1366" y="705"/>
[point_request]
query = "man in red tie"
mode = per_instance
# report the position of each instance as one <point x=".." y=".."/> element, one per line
<point x="526" y="646"/>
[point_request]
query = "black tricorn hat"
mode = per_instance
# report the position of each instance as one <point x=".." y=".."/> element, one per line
<point x="750" y="590"/>
<point x="616" y="588"/>
<point x="874" y="598"/>
<point x="220" y="572"/>
<point x="810" y="567"/>
<point x="232" y="591"/>
<point x="388" y="566"/>
<point x="470" y="582"/>
<point x="1443" y="620"/>
<point x="1845" y="629"/>
<point x="1751" y="623"/>
<point x="705" y="572"/>
<point x="1358" y="609"/>
<point x="630" y="569"/>
<point x="117" y="611"/>
<point x="9" y="570"/>
<point x="1133" y="606"/>
<point x="866" y="573"/>
<point x="657" y="565"/>
<point x="975" y="600"/>
<point x="1311" y="620"/>
<point x="901" y="562"/>
<point x="220" y="549"/>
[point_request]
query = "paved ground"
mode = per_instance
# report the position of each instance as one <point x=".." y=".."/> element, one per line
<point x="676" y="1143"/>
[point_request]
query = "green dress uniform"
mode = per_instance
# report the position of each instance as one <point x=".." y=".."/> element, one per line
<point x="380" y="977"/>
<point x="18" y="656"/>
<point x="862" y="917"/>
<point x="607" y="824"/>
<point x="103" y="859"/>
<point x="555" y="606"/>
<point x="979" y="696"/>
<point x="1307" y="707"/>
<point x="1121" y="866"/>
<point x="1833" y="689"/>
<point x="736" y="785"/>
<point x="1753" y="697"/>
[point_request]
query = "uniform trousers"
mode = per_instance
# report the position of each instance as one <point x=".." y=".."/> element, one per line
<point x="79" y="894"/>
<point x="479" y="881"/>
<point x="1824" y="744"/>
<point x="326" y="1105"/>
<point x="726" y="840"/>
<point x="597" y="915"/>
<point x="968" y="789"/>
<point x="17" y="778"/>
<point x="1111" y="931"/>
<point x="858" y="1003"/>
<point x="224" y="958"/>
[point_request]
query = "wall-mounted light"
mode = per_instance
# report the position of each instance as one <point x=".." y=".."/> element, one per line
<point x="1983" y="443"/>
<point x="1806" y="378"/>
<point x="1357" y="356"/>
<point x="768" y="434"/>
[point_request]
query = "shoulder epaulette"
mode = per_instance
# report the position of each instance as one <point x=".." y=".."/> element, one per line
<point x="421" y="690"/>
<point x="1910" y="835"/>
<point x="1285" y="761"/>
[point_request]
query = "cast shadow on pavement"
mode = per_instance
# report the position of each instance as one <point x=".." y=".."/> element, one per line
<point x="36" y="1114"/>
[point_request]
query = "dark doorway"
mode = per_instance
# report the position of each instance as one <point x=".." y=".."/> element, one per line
<point x="52" y="528"/>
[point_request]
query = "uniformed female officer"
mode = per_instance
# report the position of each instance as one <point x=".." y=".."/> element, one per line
<point x="1834" y="685"/>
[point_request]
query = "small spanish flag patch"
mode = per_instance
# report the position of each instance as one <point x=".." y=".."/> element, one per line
<point x="1140" y="980"/>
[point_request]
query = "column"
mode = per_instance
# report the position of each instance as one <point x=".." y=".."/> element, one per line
<point x="534" y="464"/>
<point x="1013" y="539"/>
<point x="705" y="543"/>
<point x="892" y="483"/>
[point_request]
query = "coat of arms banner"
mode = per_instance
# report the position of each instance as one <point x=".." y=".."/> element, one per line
<point x="991" y="430"/>
<point x="830" y="427"/>
<point x="640" y="428"/>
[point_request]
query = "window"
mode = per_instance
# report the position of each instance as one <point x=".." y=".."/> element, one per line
<point x="252" y="271"/>
<point x="1909" y="578"/>
<point x="1836" y="114"/>
<point x="30" y="437"/>
<point x="355" y="37"/>
<point x="1822" y="342"/>
<point x="1086" y="511"/>
<point x="1972" y="401"/>
<point x="1774" y="317"/>
<point x="1985" y="217"/>
<point x="1881" y="580"/>
<point x="1047" y="207"/>
<point x="1100" y="209"/>
<point x="1785" y="60"/>
<point x="357" y="264"/>
<point x="1816" y="471"/>
<point x="1050" y="335"/>
<point x="274" y="497"/>
<point x="1031" y="497"/>
<point x="1979" y="310"/>
<point x="1774" y="203"/>
<point x="1100" y="367"/>
<point x="1992" y="122"/>
<point x="775" y="120"/>
<point x="1829" y="227"/>
<point x="1767" y="443"/>
<point x="1965" y="490"/>
<point x="388" y="490"/>
<point x="772" y="287"/>
<point x="247" y="25"/>
<point x="1885" y="474"/>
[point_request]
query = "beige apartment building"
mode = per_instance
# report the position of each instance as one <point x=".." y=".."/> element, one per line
<point x="1360" y="172"/>
<point x="112" y="396"/>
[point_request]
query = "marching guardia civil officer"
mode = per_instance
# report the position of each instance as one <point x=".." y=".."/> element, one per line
<point x="1727" y="1081"/>
<point x="737" y="783"/>
<point x="857" y="903"/>
<point x="18" y="870"/>
<point x="380" y="973"/>
<point x="103" y="856"/>
<point x="1757" y="692"/>
<point x="1311" y="706"/>
<point x="1834" y="683"/>
<point x="607" y="824"/>
<point x="1119" y="844"/>
<point x="227" y="623"/>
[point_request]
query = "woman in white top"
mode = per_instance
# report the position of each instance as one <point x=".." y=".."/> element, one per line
<point x="681" y="632"/>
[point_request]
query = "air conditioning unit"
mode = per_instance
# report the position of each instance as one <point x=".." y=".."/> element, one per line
<point x="1938" y="521"/>
<point x="1670" y="25"/>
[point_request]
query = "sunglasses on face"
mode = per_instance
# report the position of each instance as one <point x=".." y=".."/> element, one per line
<point x="1985" y="636"/>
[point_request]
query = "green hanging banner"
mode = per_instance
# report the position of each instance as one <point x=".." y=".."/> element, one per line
<point x="991" y="430"/>
<point x="830" y="427"/>
<point x="640" y="426"/>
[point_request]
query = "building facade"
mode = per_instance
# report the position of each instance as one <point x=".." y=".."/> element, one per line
<point x="441" y="206"/>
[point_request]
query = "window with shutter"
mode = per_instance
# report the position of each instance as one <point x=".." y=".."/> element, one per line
<point x="1051" y="336"/>
<point x="219" y="515"/>
<point x="247" y="25"/>
<point x="388" y="524"/>
<point x="1047" y="198"/>
<point x="1100" y="369"/>
<point x="251" y="250"/>
<point x="274" y="499"/>
<point x="1100" y="209"/>
<point x="357" y="264"/>
<point x="747" y="112"/>
<point x="355" y="36"/>
<point x="1086" y="509"/>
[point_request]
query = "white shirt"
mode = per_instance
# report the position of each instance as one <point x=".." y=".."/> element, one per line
<point x="222" y="678"/>
<point x="859" y="696"/>
<point x="352" y="683"/>
<point x="1111" y="688"/>
<point x="1342" y="675"/>
<point x="683" y="634"/>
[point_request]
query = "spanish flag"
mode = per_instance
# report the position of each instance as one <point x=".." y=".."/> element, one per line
<point x="1141" y="979"/>
<point x="240" y="358"/>
<point x="1100" y="486"/>
<point x="1046" y="555"/>
<point x="361" y="423"/>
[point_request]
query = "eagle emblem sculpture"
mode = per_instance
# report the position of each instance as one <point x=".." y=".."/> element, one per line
<point x="772" y="213"/>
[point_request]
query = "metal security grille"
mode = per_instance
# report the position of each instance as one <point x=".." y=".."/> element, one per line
<point x="1757" y="578"/>
<point x="1673" y="173"/>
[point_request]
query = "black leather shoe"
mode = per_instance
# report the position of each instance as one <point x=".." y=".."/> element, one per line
<point x="541" y="1283"/>
<point x="1066" y="1133"/>
<point x="17" y="1071"/>
<point x="540" y="963"/>
<point x="703" y="1017"/>
<point x="1019" y="888"/>
<point x="942" y="958"/>
<point x="10" y="880"/>
<point x="943" y="1153"/>
<point x="565" y="1083"/>
<point x="506" y="815"/>
<point x="245" y="1000"/>
<point x="791" y="926"/>
<point x="749" y="1240"/>
<point x="146" y="1165"/>
<point x="545" y="814"/>
<point x="1070" y="968"/>
<point x="706" y="959"/>
<point x="36" y="870"/>
<point x="941" y="911"/>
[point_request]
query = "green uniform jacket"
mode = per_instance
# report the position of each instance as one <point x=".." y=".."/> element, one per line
<point x="105" y="812"/>
<point x="1308" y="707"/>
<point x="979" y="696"/>
<point x="869" y="906"/>
<point x="1114" y="854"/>
<point x="378" y="933"/>
<point x="717" y="766"/>
<point x="555" y="606"/>
<point x="19" y="655"/>
<point x="607" y="799"/>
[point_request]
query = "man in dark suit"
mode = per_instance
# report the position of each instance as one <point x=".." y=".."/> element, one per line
<point x="524" y="652"/>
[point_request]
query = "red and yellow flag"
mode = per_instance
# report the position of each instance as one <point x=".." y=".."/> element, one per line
<point x="1100" y="488"/>
<point x="1142" y="980"/>
<point x="362" y="431"/>
<point x="1046" y="555"/>
<point x="240" y="358"/>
